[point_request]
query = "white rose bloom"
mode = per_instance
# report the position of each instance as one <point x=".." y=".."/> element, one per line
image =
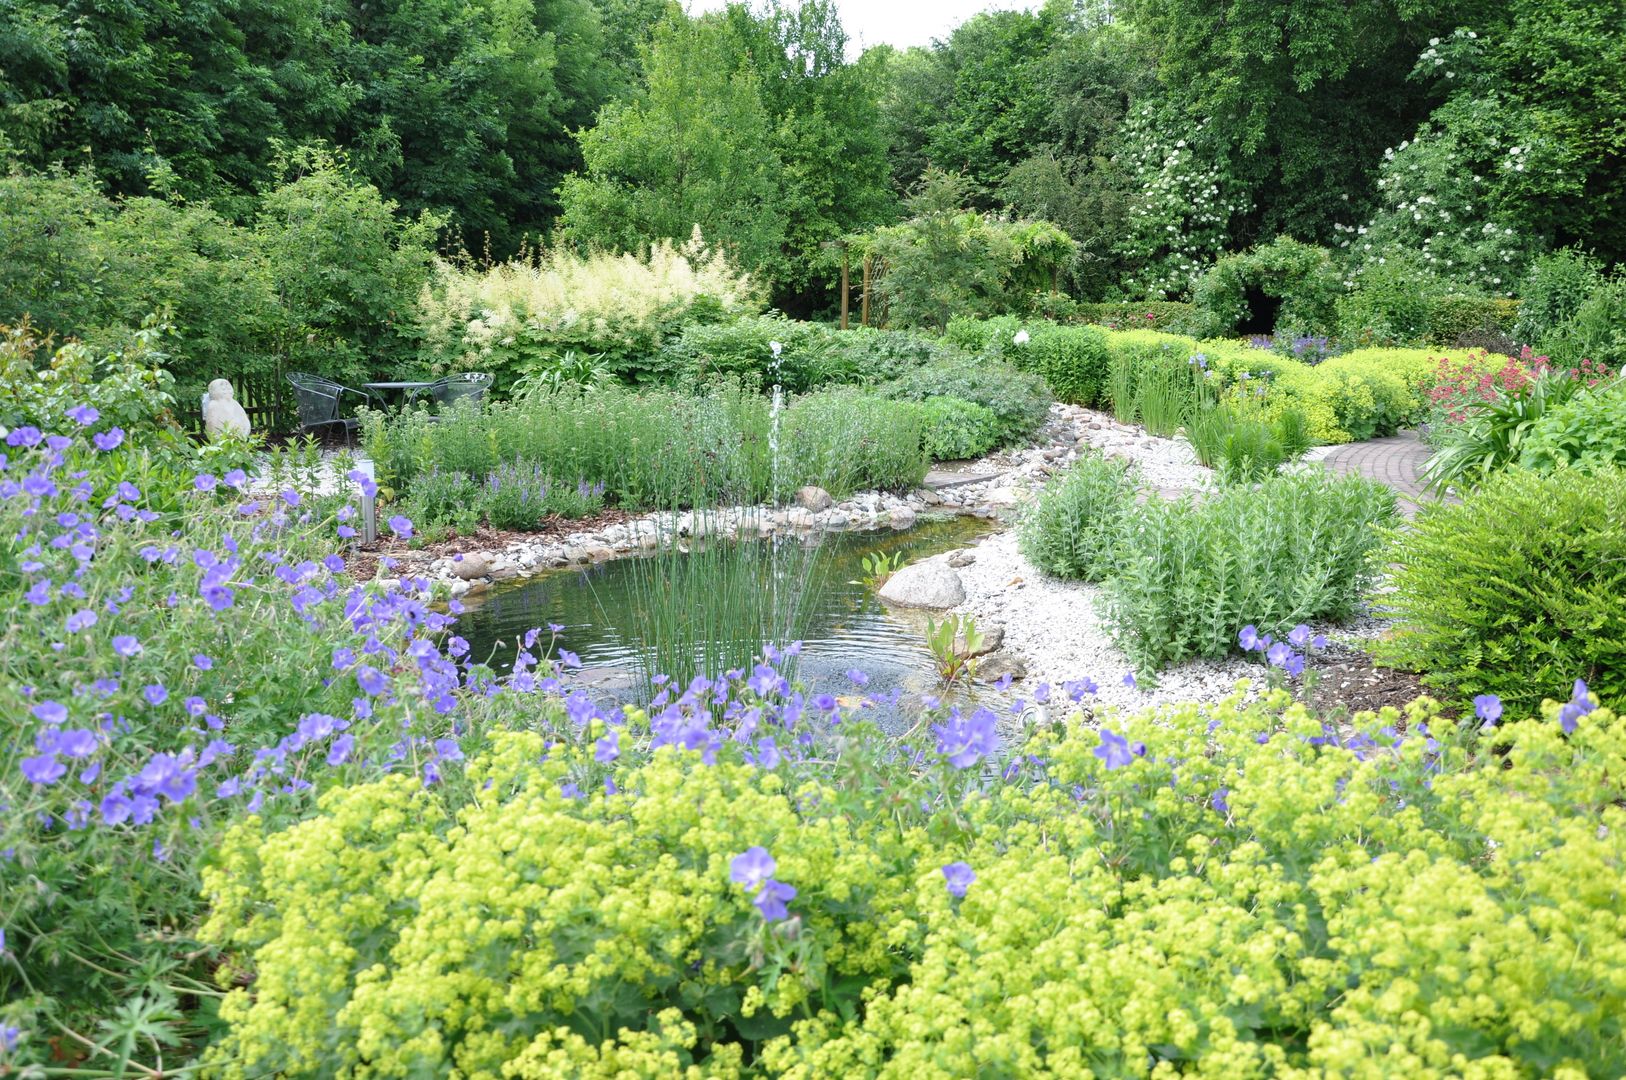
<point x="1021" y="337"/>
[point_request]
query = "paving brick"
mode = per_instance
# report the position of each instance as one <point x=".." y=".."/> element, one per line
<point x="1396" y="461"/>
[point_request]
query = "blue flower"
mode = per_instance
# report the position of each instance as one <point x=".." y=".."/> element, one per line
<point x="44" y="769"/>
<point x="608" y="748"/>
<point x="1114" y="750"/>
<point x="1579" y="705"/>
<point x="84" y="415"/>
<point x="771" y="899"/>
<point x="752" y="867"/>
<point x="155" y="694"/>
<point x="1248" y="638"/>
<point x="1488" y="707"/>
<point x="966" y="740"/>
<point x="1278" y="654"/>
<point x="401" y="526"/>
<point x="1299" y="635"/>
<point x="110" y="439"/>
<point x="126" y="645"/>
<point x="958" y="876"/>
<point x="1219" y="801"/>
<point x="50" y="712"/>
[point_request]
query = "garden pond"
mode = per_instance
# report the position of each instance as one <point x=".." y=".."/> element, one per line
<point x="841" y="624"/>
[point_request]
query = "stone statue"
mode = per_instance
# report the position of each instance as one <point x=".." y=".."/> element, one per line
<point x="221" y="413"/>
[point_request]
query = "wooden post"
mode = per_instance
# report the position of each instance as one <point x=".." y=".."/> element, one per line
<point x="863" y="300"/>
<point x="845" y="285"/>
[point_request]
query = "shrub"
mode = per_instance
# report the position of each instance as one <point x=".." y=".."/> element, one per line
<point x="1072" y="360"/>
<point x="1189" y="574"/>
<point x="623" y="307"/>
<point x="1073" y="525"/>
<point x="1473" y="322"/>
<point x="1243" y="440"/>
<point x="811" y="354"/>
<point x="1514" y="589"/>
<point x="1597" y="331"/>
<point x="1587" y="432"/>
<point x="1392" y="304"/>
<point x="1018" y="399"/>
<point x="1300" y="277"/>
<point x="1228" y="890"/>
<point x="956" y="429"/>
<point x="1144" y="315"/>
<point x="1553" y="289"/>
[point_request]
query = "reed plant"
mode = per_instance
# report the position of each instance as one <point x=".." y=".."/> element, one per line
<point x="706" y="604"/>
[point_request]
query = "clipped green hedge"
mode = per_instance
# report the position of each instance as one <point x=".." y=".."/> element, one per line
<point x="811" y="354"/>
<point x="1136" y="315"/>
<point x="1516" y="589"/>
<point x="1019" y="400"/>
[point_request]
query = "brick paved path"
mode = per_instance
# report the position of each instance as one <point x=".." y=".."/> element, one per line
<point x="1396" y="461"/>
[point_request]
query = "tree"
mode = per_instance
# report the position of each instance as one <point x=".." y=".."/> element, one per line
<point x="694" y="149"/>
<point x="826" y="133"/>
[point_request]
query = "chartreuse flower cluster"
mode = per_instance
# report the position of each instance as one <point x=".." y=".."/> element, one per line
<point x="1227" y="891"/>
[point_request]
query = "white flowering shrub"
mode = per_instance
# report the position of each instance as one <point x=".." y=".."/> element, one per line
<point x="1180" y="217"/>
<point x="1460" y="196"/>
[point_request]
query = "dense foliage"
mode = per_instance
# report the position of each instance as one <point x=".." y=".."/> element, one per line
<point x="1236" y="890"/>
<point x="1528" y="571"/>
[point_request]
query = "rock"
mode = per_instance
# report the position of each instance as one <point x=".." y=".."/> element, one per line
<point x="813" y="498"/>
<point x="471" y="566"/>
<point x="835" y="519"/>
<point x="458" y="588"/>
<point x="576" y="554"/>
<point x="929" y="497"/>
<point x="799" y="518"/>
<point x="992" y="637"/>
<point x="600" y="554"/>
<point x="606" y="678"/>
<point x="223" y="417"/>
<point x="503" y="573"/>
<point x="995" y="667"/>
<point x="924" y="585"/>
<point x="901" y="518"/>
<point x="1002" y="497"/>
<point x="961" y="558"/>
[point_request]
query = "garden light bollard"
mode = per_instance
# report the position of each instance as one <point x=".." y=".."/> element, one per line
<point x="369" y="504"/>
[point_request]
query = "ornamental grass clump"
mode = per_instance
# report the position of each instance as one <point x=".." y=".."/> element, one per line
<point x="1517" y="586"/>
<point x="1187" y="573"/>
<point x="738" y="882"/>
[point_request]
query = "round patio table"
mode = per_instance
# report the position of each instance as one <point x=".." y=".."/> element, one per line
<point x="405" y="388"/>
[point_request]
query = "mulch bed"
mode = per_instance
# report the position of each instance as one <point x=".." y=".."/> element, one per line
<point x="1350" y="682"/>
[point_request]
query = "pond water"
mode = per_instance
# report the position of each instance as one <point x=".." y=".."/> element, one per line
<point x="843" y="625"/>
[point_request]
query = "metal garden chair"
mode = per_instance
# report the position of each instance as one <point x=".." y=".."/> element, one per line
<point x="319" y="401"/>
<point x="468" y="386"/>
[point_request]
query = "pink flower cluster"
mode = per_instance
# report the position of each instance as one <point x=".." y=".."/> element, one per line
<point x="1460" y="385"/>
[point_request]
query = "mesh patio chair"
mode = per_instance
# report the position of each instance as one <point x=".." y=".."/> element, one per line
<point x="465" y="386"/>
<point x="319" y="401"/>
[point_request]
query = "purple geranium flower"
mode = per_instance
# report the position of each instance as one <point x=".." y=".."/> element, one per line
<point x="752" y="867"/>
<point x="1219" y="801"/>
<point x="1114" y="750"/>
<point x="771" y="900"/>
<point x="958" y="876"/>
<point x="50" y="712"/>
<point x="1248" y="638"/>
<point x="1579" y="705"/>
<point x="1488" y="707"/>
<point x="126" y="645"/>
<point x="44" y="769"/>
<point x="84" y="415"/>
<point x="401" y="526"/>
<point x="111" y="439"/>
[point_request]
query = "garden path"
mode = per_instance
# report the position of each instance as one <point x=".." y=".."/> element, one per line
<point x="1396" y="461"/>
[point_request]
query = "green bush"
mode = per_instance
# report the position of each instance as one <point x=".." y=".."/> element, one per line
<point x="1392" y="304"/>
<point x="1492" y="433"/>
<point x="1072" y="360"/>
<point x="1018" y="399"/>
<point x="1587" y="432"/>
<point x="1553" y="289"/>
<point x="1516" y="589"/>
<point x="956" y="429"/>
<point x="1143" y="315"/>
<point x="1244" y="441"/>
<point x="811" y="354"/>
<point x="1301" y="277"/>
<point x="1597" y="331"/>
<point x="1235" y="890"/>
<point x="1190" y="573"/>
<point x="1072" y="527"/>
<point x="1473" y="322"/>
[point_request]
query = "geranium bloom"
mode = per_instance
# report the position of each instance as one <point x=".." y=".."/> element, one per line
<point x="111" y="439"/>
<point x="1114" y="750"/>
<point x="751" y="867"/>
<point x="1488" y="707"/>
<point x="958" y="876"/>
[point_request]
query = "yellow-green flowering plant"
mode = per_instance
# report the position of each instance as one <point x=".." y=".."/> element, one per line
<point x="741" y="882"/>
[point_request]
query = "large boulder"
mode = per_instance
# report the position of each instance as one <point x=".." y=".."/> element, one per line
<point x="924" y="585"/>
<point x="813" y="498"/>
